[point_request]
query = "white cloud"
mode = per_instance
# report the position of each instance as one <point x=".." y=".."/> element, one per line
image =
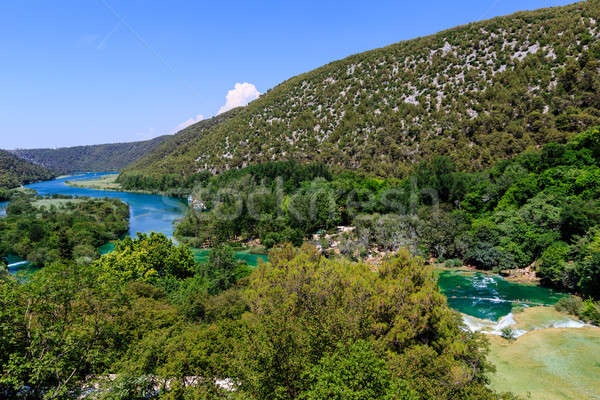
<point x="189" y="122"/>
<point x="240" y="95"/>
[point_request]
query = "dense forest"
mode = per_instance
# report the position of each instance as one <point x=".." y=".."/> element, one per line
<point x="474" y="148"/>
<point x="477" y="94"/>
<point x="15" y="172"/>
<point x="147" y="322"/>
<point x="539" y="208"/>
<point x="94" y="158"/>
<point x="47" y="230"/>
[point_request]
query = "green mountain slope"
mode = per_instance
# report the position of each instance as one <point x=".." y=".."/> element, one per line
<point x="478" y="93"/>
<point x="99" y="158"/>
<point x="167" y="153"/>
<point x="15" y="171"/>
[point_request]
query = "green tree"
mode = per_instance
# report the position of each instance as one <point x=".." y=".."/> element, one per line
<point x="304" y="306"/>
<point x="222" y="269"/>
<point x="147" y="258"/>
<point x="355" y="371"/>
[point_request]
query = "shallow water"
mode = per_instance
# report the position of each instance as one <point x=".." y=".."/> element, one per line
<point x="201" y="256"/>
<point x="3" y="205"/>
<point x="490" y="297"/>
<point x="147" y="212"/>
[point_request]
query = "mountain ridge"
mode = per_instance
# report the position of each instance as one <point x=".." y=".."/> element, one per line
<point x="478" y="93"/>
<point x="90" y="158"/>
<point x="15" y="171"/>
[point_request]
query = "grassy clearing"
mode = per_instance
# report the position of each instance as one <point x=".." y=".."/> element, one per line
<point x="107" y="182"/>
<point x="548" y="364"/>
<point x="58" y="203"/>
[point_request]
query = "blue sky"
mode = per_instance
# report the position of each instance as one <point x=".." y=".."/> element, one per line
<point x="76" y="72"/>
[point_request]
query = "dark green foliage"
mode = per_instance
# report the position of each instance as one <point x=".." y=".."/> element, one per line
<point x="222" y="269"/>
<point x="539" y="207"/>
<point x="278" y="202"/>
<point x="72" y="228"/>
<point x="5" y="194"/>
<point x="95" y="158"/>
<point x="15" y="172"/>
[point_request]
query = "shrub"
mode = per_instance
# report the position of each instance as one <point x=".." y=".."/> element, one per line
<point x="590" y="312"/>
<point x="551" y="264"/>
<point x="571" y="305"/>
<point x="508" y="333"/>
<point x="453" y="263"/>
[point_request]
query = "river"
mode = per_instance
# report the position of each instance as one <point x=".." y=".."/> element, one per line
<point x="491" y="297"/>
<point x="479" y="295"/>
<point x="147" y="212"/>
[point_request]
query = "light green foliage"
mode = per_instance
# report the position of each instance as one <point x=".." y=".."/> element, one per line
<point x="355" y="372"/>
<point x="571" y="305"/>
<point x="147" y="258"/>
<point x="301" y="327"/>
<point x="591" y="312"/>
<point x="304" y="306"/>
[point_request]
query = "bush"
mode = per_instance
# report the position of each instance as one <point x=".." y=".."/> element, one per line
<point x="590" y="312"/>
<point x="551" y="265"/>
<point x="571" y="305"/>
<point x="508" y="333"/>
<point x="453" y="263"/>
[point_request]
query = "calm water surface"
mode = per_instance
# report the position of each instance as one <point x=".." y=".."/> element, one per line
<point x="147" y="212"/>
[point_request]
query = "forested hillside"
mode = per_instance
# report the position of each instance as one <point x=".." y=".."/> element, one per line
<point x="477" y="93"/>
<point x="540" y="209"/>
<point x="16" y="172"/>
<point x="97" y="158"/>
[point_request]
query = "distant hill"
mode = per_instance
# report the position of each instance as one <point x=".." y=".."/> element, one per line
<point x="176" y="145"/>
<point x="15" y="171"/>
<point x="97" y="158"/>
<point x="477" y="93"/>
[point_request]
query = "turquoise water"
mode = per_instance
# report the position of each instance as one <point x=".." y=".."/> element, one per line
<point x="147" y="212"/>
<point x="3" y="205"/>
<point x="491" y="296"/>
<point x="201" y="256"/>
<point x="477" y="294"/>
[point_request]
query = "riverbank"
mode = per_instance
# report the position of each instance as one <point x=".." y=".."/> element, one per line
<point x="109" y="183"/>
<point x="526" y="278"/>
